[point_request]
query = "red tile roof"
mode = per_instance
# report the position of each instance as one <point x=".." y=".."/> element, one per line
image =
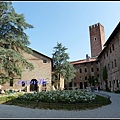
<point x="83" y="61"/>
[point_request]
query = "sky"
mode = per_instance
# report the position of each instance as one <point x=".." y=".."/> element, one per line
<point x="66" y="22"/>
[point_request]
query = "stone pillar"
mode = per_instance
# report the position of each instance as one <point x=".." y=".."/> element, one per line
<point x="40" y="88"/>
<point x="28" y="88"/>
<point x="61" y="83"/>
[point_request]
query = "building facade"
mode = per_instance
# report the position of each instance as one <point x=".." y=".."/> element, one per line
<point x="38" y="79"/>
<point x="102" y="54"/>
<point x="97" y="39"/>
<point x="84" y="69"/>
<point x="109" y="58"/>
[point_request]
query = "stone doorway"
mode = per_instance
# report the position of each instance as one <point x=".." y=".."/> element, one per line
<point x="81" y="85"/>
<point x="85" y="85"/>
<point x="33" y="85"/>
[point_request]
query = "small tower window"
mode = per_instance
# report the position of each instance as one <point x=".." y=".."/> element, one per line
<point x="95" y="38"/>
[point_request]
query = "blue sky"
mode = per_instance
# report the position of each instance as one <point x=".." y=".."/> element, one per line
<point x="68" y="23"/>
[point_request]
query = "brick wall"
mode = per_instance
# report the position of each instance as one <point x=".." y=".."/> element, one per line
<point x="82" y="77"/>
<point x="107" y="58"/>
<point x="41" y="71"/>
<point x="97" y="39"/>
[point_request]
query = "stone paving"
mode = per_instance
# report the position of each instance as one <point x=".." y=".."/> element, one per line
<point x="109" y="111"/>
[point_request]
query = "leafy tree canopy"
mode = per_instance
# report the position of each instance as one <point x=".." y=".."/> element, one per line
<point x="13" y="41"/>
<point x="61" y="67"/>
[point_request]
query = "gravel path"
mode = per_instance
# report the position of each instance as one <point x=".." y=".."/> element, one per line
<point x="110" y="111"/>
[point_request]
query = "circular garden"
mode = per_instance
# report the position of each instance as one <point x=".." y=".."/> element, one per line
<point x="59" y="99"/>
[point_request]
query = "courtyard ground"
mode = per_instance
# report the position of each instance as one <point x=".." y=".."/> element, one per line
<point x="110" y="111"/>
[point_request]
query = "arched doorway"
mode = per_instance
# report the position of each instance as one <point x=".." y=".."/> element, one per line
<point x="33" y="85"/>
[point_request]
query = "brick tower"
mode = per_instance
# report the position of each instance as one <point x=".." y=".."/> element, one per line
<point x="97" y="39"/>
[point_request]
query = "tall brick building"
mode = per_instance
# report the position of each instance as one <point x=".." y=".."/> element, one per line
<point x="97" y="39"/>
<point x="110" y="57"/>
<point x="102" y="54"/>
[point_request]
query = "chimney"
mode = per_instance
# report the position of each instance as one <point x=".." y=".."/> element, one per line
<point x="87" y="57"/>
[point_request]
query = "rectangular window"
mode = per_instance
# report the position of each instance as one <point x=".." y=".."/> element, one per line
<point x="44" y="61"/>
<point x="92" y="70"/>
<point x="110" y="50"/>
<point x="85" y="69"/>
<point x="108" y="66"/>
<point x="112" y="64"/>
<point x="11" y="82"/>
<point x="107" y="53"/>
<point x="97" y="69"/>
<point x="113" y="47"/>
<point x="117" y="83"/>
<point x="86" y="78"/>
<point x="110" y="84"/>
<point x="80" y="70"/>
<point x="98" y="75"/>
<point x="115" y="63"/>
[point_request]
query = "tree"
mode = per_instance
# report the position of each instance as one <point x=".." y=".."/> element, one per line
<point x="90" y="80"/>
<point x="96" y="81"/>
<point x="105" y="77"/>
<point x="93" y="81"/>
<point x="68" y="72"/>
<point x="60" y="64"/>
<point x="13" y="41"/>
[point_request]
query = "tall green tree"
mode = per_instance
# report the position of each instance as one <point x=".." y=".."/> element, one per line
<point x="68" y="72"/>
<point x="13" y="40"/>
<point x="60" y="64"/>
<point x="96" y="81"/>
<point x="105" y="77"/>
<point x="90" y="80"/>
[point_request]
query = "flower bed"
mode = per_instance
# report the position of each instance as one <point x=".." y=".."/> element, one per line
<point x="64" y="96"/>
